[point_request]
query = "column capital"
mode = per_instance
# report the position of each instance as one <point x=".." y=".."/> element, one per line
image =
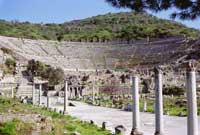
<point x="132" y="78"/>
<point x="66" y="82"/>
<point x="191" y="65"/>
<point x="158" y="70"/>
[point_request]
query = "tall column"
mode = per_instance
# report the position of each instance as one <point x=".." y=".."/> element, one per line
<point x="66" y="98"/>
<point x="158" y="102"/>
<point x="136" y="111"/>
<point x="145" y="106"/>
<point x="33" y="94"/>
<point x="73" y="92"/>
<point x="192" y="119"/>
<point x="12" y="92"/>
<point x="93" y="89"/>
<point x="70" y="93"/>
<point x="48" y="102"/>
<point x="40" y="94"/>
<point x="79" y="92"/>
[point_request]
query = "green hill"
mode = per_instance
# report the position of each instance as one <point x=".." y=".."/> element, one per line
<point x="124" y="26"/>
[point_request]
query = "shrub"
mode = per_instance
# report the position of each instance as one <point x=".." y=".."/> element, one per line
<point x="6" y="50"/>
<point x="173" y="90"/>
<point x="10" y="62"/>
<point x="53" y="75"/>
<point x="10" y="65"/>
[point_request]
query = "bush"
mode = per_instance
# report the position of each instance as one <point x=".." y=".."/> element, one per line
<point x="6" y="50"/>
<point x="173" y="90"/>
<point x="10" y="62"/>
<point x="10" y="65"/>
<point x="53" y="75"/>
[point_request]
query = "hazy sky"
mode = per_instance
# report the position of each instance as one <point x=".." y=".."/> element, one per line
<point x="59" y="11"/>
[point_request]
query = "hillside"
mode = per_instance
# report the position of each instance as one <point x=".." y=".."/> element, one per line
<point x="110" y="27"/>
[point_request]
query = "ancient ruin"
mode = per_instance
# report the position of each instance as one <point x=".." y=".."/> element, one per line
<point x="109" y="72"/>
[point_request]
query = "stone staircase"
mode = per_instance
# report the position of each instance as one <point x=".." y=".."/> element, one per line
<point x="24" y="91"/>
<point x="24" y="88"/>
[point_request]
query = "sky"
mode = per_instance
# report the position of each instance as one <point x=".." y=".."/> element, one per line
<point x="59" y="11"/>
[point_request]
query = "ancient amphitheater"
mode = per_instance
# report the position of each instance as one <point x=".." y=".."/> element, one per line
<point x="91" y="56"/>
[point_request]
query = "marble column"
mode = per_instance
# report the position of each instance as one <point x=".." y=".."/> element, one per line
<point x="93" y="91"/>
<point x="48" y="102"/>
<point x="12" y="92"/>
<point x="65" y="98"/>
<point x="158" y="102"/>
<point x="145" y="106"/>
<point x="192" y="119"/>
<point x="70" y="93"/>
<point x="136" y="111"/>
<point x="40" y="94"/>
<point x="73" y="93"/>
<point x="33" y="94"/>
<point x="79" y="92"/>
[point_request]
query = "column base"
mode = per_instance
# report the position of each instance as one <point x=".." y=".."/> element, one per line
<point x="65" y="112"/>
<point x="136" y="132"/>
<point x="158" y="133"/>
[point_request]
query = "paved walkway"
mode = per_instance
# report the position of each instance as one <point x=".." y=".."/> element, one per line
<point x="114" y="117"/>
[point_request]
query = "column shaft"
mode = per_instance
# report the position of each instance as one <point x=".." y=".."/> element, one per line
<point x="159" y="103"/>
<point x="192" y="119"/>
<point x="93" y="100"/>
<point x="40" y="94"/>
<point x="136" y="111"/>
<point x="33" y="94"/>
<point x="48" y="102"/>
<point x="145" y="106"/>
<point x="12" y="92"/>
<point x="65" y="98"/>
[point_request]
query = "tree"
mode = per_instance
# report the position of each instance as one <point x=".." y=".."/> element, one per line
<point x="10" y="66"/>
<point x="53" y="75"/>
<point x="174" y="90"/>
<point x="184" y="9"/>
<point x="10" y="62"/>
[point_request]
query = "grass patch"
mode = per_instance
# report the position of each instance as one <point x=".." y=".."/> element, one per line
<point x="170" y="105"/>
<point x="63" y="124"/>
<point x="15" y="127"/>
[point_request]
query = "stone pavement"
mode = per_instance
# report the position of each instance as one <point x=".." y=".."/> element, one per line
<point x="173" y="125"/>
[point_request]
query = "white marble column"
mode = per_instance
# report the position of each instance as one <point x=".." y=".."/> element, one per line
<point x="73" y="93"/>
<point x="93" y="93"/>
<point x="48" y="102"/>
<point x="192" y="119"/>
<point x="136" y="104"/>
<point x="33" y="94"/>
<point x="40" y="94"/>
<point x="65" y="98"/>
<point x="158" y="102"/>
<point x="12" y="92"/>
<point x="79" y="92"/>
<point x="70" y="93"/>
<point x="145" y="106"/>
